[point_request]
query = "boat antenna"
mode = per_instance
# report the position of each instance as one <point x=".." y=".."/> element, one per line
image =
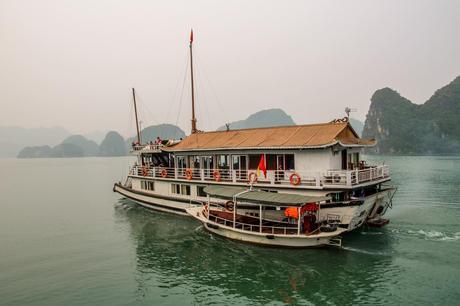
<point x="137" y="121"/>
<point x="348" y="110"/>
<point x="194" y="129"/>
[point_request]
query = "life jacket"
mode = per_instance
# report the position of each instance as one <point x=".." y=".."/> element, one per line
<point x="292" y="212"/>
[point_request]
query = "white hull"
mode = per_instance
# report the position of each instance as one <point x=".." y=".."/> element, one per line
<point x="155" y="203"/>
<point x="354" y="215"/>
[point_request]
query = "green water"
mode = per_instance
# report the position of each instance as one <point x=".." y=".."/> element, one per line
<point x="67" y="239"/>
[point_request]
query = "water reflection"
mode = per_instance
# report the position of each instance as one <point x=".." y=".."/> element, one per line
<point x="175" y="255"/>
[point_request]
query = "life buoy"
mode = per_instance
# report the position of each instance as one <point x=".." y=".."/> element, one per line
<point x="216" y="175"/>
<point x="229" y="205"/>
<point x="188" y="174"/>
<point x="294" y="179"/>
<point x="252" y="178"/>
<point x="164" y="173"/>
<point x="145" y="171"/>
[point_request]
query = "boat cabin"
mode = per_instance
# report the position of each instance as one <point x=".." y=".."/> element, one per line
<point x="317" y="156"/>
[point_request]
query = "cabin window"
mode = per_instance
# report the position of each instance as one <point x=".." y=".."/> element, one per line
<point x="353" y="160"/>
<point x="236" y="162"/>
<point x="185" y="189"/>
<point x="270" y="161"/>
<point x="254" y="160"/>
<point x="196" y="162"/>
<point x="175" y="188"/>
<point x="180" y="189"/>
<point x="289" y="161"/>
<point x="181" y="162"/>
<point x="148" y="185"/>
<point x="223" y="162"/>
<point x="208" y="165"/>
<point x="200" y="191"/>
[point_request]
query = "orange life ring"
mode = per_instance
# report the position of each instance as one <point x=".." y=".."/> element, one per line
<point x="252" y="178"/>
<point x="164" y="173"/>
<point x="188" y="174"/>
<point x="229" y="205"/>
<point x="216" y="175"/>
<point x="145" y="171"/>
<point x="294" y="179"/>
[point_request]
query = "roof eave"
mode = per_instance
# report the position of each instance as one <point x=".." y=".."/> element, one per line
<point x="358" y="145"/>
<point x="253" y="148"/>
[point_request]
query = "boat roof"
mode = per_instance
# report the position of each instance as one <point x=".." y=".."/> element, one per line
<point x="308" y="136"/>
<point x="260" y="196"/>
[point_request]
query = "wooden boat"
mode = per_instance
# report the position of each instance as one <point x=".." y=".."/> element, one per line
<point x="261" y="217"/>
<point x="321" y="160"/>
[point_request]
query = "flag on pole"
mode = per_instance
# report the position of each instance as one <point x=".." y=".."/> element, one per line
<point x="261" y="166"/>
<point x="191" y="36"/>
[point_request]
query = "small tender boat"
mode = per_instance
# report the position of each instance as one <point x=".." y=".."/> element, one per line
<point x="288" y="220"/>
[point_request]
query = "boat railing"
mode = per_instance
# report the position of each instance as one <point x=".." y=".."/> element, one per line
<point x="314" y="179"/>
<point x="265" y="229"/>
<point x="147" y="147"/>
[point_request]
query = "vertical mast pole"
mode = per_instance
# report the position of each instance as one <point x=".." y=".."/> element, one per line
<point x="193" y="87"/>
<point x="137" y="121"/>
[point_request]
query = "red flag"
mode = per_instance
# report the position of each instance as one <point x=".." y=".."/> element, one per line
<point x="191" y="36"/>
<point x="261" y="166"/>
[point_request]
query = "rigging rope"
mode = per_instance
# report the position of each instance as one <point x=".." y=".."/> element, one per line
<point x="181" y="97"/>
<point x="204" y="100"/>
<point x="176" y="89"/>
<point x="213" y="91"/>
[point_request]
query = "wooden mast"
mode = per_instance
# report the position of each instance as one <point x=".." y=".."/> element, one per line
<point x="194" y="129"/>
<point x="137" y="121"/>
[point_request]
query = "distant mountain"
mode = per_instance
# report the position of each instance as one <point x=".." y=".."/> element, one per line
<point x="164" y="131"/>
<point x="402" y="127"/>
<point x="61" y="150"/>
<point x="35" y="152"/>
<point x="89" y="147"/>
<point x="357" y="125"/>
<point x="67" y="150"/>
<point x="264" y="118"/>
<point x="96" y="136"/>
<point x="113" y="145"/>
<point x="78" y="146"/>
<point x="13" y="139"/>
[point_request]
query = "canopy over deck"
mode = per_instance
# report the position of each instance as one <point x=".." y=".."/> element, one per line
<point x="263" y="197"/>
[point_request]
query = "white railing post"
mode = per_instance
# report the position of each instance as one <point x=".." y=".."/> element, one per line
<point x="348" y="177"/>
<point x="356" y="176"/>
<point x="317" y="180"/>
<point x="233" y="176"/>
<point x="202" y="174"/>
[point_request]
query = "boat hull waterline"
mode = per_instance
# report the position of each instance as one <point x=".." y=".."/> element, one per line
<point x="151" y="202"/>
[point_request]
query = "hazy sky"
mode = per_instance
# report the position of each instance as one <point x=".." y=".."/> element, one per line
<point x="73" y="63"/>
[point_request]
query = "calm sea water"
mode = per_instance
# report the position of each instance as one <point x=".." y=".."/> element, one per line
<point x="67" y="239"/>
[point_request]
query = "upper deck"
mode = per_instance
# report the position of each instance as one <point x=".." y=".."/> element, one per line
<point x="317" y="156"/>
<point x="329" y="179"/>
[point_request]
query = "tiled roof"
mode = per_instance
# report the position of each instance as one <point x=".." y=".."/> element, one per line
<point x="295" y="136"/>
